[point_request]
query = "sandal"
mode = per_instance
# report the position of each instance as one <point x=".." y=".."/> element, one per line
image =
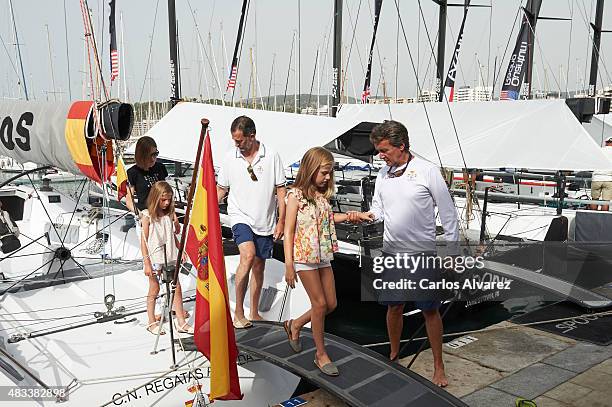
<point x="328" y="369"/>
<point x="182" y="329"/>
<point x="294" y="343"/>
<point x="242" y="323"/>
<point x="155" y="328"/>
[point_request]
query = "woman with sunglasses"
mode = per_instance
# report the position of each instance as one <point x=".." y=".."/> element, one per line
<point x="144" y="174"/>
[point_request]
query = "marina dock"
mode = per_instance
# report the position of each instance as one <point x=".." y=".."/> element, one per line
<point x="509" y="361"/>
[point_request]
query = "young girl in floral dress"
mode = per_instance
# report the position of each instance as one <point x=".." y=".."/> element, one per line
<point x="310" y="243"/>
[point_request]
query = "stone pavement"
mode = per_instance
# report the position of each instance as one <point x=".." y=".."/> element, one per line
<point x="512" y="361"/>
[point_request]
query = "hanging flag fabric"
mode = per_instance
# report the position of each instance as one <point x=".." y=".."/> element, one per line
<point x="114" y="54"/>
<point x="366" y="86"/>
<point x="214" y="331"/>
<point x="231" y="82"/>
<point x="122" y="179"/>
<point x="519" y="60"/>
<point x="449" y="83"/>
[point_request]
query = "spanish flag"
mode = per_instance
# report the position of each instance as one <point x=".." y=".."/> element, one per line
<point x="214" y="332"/>
<point x="121" y="179"/>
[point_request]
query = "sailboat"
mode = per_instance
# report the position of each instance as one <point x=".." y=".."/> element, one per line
<point x="73" y="296"/>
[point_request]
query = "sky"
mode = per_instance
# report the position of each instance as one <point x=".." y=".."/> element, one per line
<point x="207" y="33"/>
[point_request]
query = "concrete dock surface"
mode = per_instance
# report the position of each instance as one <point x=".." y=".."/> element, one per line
<point x="507" y="361"/>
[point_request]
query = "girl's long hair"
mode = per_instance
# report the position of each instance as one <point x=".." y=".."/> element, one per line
<point x="314" y="159"/>
<point x="157" y="191"/>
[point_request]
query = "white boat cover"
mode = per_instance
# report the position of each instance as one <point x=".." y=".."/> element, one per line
<point x="290" y="134"/>
<point x="537" y="134"/>
<point x="600" y="127"/>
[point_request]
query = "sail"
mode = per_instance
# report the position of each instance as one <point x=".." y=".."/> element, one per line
<point x="449" y="83"/>
<point x="231" y="82"/>
<point x="366" y="85"/>
<point x="519" y="61"/>
<point x="63" y="134"/>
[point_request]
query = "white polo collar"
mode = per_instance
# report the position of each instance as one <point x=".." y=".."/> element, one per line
<point x="260" y="153"/>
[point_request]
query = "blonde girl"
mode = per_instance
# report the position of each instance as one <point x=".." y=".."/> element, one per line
<point x="310" y="243"/>
<point x="158" y="236"/>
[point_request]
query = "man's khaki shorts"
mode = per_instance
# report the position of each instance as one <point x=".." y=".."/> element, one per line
<point x="601" y="190"/>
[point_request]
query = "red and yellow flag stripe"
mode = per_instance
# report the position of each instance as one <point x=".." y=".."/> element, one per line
<point x="85" y="151"/>
<point x="214" y="332"/>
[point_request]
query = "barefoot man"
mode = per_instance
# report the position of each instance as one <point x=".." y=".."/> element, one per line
<point x="254" y="176"/>
<point x="406" y="193"/>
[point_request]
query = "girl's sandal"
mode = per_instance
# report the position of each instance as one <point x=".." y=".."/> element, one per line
<point x="184" y="329"/>
<point x="155" y="328"/>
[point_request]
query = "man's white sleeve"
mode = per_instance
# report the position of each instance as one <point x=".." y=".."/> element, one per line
<point x="446" y="209"/>
<point x="279" y="171"/>
<point x="377" y="205"/>
<point x="222" y="179"/>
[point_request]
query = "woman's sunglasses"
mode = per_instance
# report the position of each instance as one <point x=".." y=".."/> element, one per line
<point x="252" y="173"/>
<point x="154" y="153"/>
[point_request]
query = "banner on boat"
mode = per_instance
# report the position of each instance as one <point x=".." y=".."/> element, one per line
<point x="519" y="60"/>
<point x="64" y="134"/>
<point x="449" y="83"/>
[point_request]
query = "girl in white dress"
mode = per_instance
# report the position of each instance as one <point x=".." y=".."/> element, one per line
<point x="158" y="236"/>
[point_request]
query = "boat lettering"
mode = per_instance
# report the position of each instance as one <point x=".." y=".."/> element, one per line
<point x="570" y="325"/>
<point x="158" y="386"/>
<point x="516" y="66"/>
<point x="23" y="132"/>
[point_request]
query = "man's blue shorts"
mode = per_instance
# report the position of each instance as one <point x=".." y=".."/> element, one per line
<point x="420" y="299"/>
<point x="263" y="244"/>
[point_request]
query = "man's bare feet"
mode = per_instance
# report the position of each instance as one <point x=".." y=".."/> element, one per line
<point x="439" y="378"/>
<point x="256" y="318"/>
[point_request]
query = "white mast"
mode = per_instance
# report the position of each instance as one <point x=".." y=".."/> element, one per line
<point x="216" y="69"/>
<point x="51" y="63"/>
<point x="123" y="74"/>
<point x="318" y="78"/>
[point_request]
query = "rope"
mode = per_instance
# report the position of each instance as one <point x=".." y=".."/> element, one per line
<point x="601" y="58"/>
<point x="501" y="63"/>
<point x="348" y="58"/>
<point x="497" y="328"/>
<point x="144" y="80"/>
<point x="215" y="76"/>
<point x="417" y="81"/>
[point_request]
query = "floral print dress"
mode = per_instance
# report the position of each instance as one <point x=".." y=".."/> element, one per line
<point x="315" y="238"/>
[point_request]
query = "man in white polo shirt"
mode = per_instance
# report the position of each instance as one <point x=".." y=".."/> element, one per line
<point x="254" y="177"/>
<point x="407" y="190"/>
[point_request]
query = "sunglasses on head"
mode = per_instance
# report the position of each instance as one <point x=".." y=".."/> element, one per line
<point x="252" y="173"/>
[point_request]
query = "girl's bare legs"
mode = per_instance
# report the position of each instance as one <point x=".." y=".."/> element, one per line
<point x="151" y="297"/>
<point x="321" y="289"/>
<point x="178" y="306"/>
